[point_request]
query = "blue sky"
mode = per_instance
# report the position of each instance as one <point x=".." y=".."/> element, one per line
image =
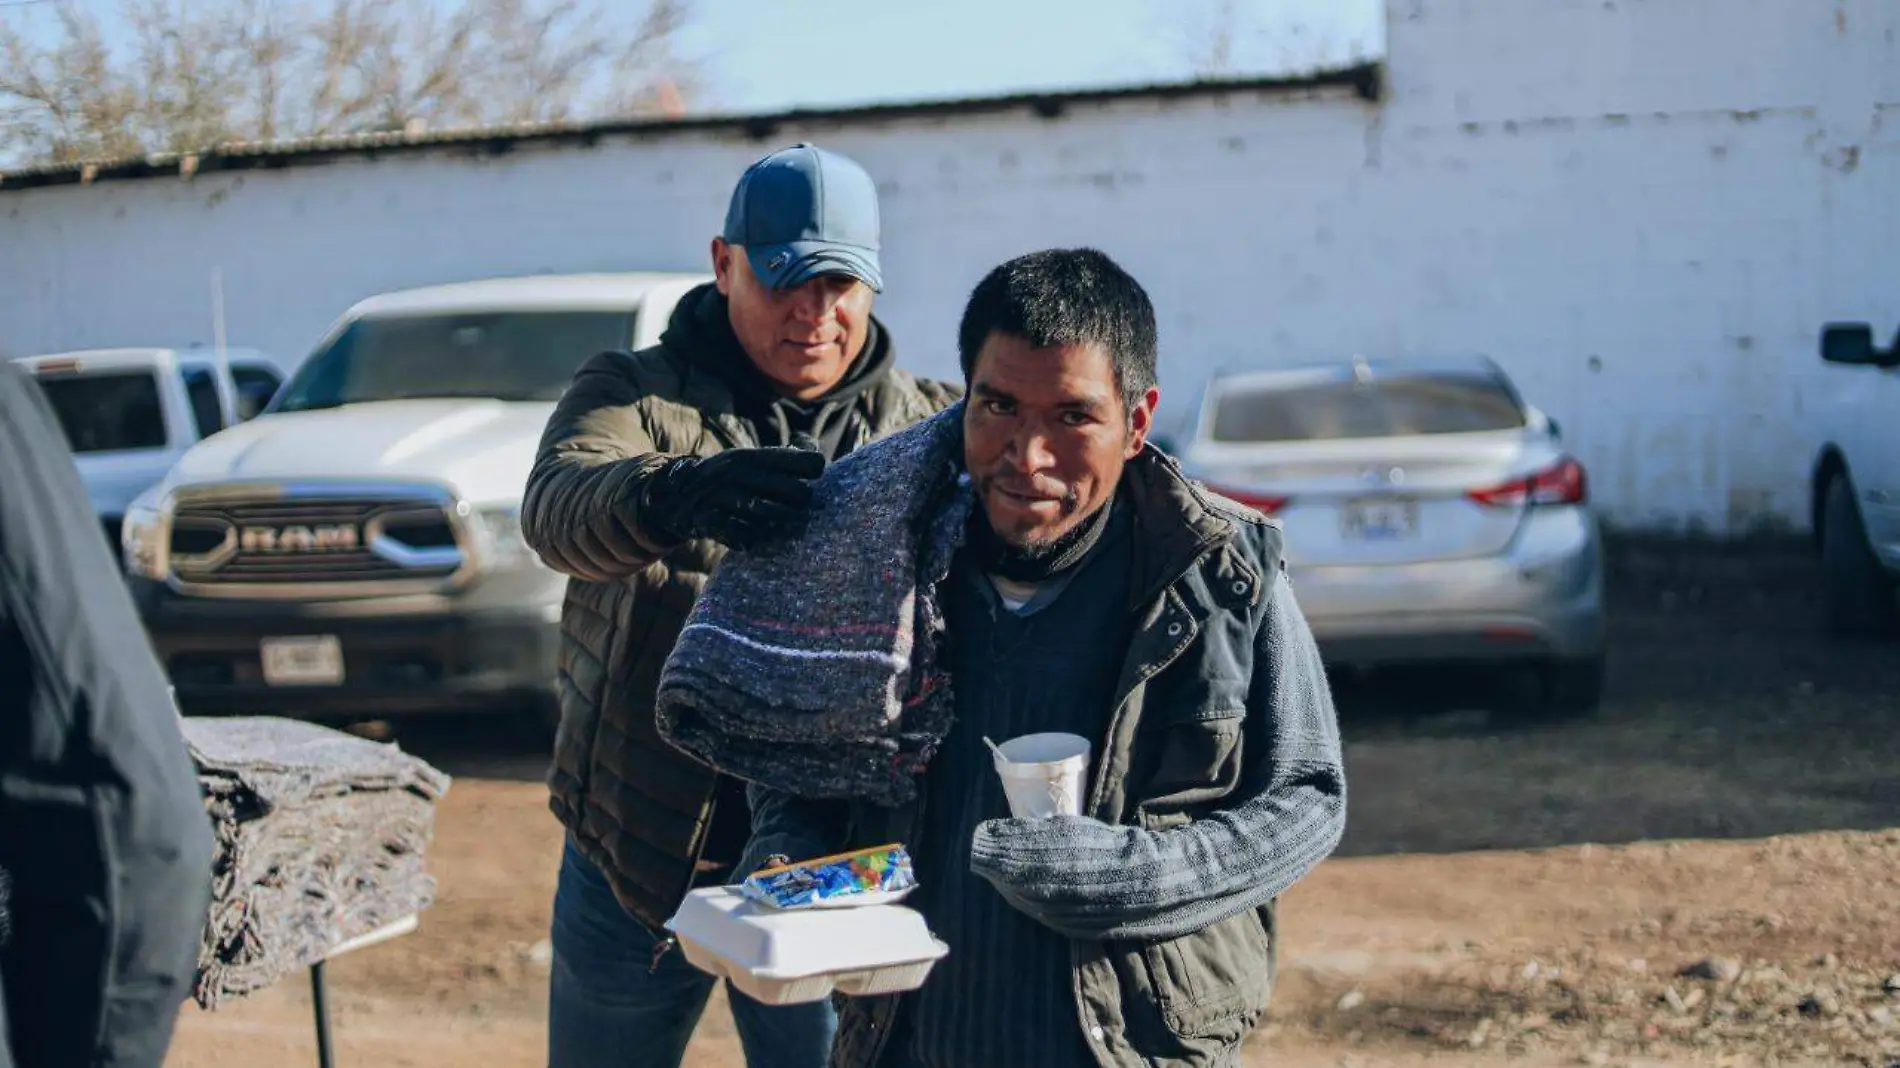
<point x="769" y="54"/>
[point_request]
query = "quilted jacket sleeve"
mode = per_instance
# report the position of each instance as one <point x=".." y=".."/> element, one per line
<point x="938" y="395"/>
<point x="581" y="509"/>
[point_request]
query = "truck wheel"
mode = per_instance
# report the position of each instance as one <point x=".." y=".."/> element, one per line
<point x="1554" y="691"/>
<point x="1859" y="592"/>
<point x="1573" y="689"/>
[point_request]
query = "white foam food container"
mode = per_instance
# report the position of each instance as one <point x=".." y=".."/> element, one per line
<point x="789" y="956"/>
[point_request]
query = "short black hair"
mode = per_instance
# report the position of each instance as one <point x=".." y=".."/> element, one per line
<point x="1066" y="296"/>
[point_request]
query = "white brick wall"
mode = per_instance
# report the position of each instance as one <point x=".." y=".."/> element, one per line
<point x="1642" y="208"/>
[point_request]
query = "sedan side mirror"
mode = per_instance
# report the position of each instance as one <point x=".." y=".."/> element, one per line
<point x="1851" y="344"/>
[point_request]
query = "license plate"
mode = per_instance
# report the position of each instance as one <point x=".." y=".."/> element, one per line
<point x="1379" y="520"/>
<point x="306" y="660"/>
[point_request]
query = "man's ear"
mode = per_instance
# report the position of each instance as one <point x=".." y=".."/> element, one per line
<point x="722" y="256"/>
<point x="1141" y="421"/>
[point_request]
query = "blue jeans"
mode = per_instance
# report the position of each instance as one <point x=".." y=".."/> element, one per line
<point x="609" y="1007"/>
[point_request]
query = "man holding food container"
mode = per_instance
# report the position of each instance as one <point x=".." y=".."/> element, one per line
<point x="1144" y="753"/>
<point x="653" y="466"/>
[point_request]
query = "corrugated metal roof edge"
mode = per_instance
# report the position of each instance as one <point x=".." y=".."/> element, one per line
<point x="1366" y="80"/>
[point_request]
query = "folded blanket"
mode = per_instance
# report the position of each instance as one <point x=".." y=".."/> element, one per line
<point x="320" y="839"/>
<point x="811" y="665"/>
<point x="281" y="762"/>
<point x="311" y="879"/>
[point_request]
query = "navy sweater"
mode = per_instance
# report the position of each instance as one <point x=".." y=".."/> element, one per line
<point x="1004" y="996"/>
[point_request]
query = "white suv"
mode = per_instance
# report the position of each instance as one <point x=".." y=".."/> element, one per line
<point x="356" y="549"/>
<point x="129" y="414"/>
<point x="1856" y="481"/>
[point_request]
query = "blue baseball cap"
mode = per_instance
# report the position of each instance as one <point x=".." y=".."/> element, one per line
<point x="802" y="212"/>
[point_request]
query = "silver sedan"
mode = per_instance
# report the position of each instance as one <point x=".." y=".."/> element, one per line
<point x="1431" y="514"/>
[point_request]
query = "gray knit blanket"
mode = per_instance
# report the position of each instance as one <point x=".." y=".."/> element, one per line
<point x="811" y="665"/>
<point x="320" y="837"/>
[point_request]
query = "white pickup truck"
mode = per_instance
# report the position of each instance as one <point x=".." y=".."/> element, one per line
<point x="356" y="549"/>
<point x="1856" y="481"/>
<point x="129" y="414"/>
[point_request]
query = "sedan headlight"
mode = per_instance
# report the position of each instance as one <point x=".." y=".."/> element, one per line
<point x="502" y="544"/>
<point x="144" y="541"/>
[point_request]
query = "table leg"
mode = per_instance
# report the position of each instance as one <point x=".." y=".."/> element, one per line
<point x="320" y="1002"/>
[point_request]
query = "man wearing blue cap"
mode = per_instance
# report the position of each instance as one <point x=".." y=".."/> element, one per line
<point x="653" y="464"/>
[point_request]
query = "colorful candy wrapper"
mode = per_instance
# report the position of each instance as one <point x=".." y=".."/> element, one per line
<point x="867" y="877"/>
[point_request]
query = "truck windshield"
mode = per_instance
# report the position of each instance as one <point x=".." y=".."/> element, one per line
<point x="511" y="356"/>
<point x="1383" y="408"/>
<point x="107" y="412"/>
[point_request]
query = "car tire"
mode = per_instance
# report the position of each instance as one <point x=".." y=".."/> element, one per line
<point x="1573" y="689"/>
<point x="1551" y="691"/>
<point x="1859" y="594"/>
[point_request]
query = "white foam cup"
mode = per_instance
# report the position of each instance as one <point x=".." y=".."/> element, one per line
<point x="1044" y="774"/>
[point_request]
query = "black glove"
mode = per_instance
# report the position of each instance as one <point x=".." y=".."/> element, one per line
<point x="739" y="498"/>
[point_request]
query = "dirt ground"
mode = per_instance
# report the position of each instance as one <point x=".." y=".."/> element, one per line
<point x="1705" y="873"/>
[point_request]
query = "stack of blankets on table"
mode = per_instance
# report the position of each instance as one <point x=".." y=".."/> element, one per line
<point x="320" y="839"/>
<point x="812" y="665"/>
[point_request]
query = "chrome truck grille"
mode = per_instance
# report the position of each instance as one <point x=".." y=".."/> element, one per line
<point x="300" y="541"/>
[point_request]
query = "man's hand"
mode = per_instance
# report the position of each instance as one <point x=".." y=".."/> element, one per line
<point x="739" y="498"/>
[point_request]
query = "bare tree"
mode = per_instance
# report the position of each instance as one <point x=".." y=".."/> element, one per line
<point x="68" y="101"/>
<point x="649" y="76"/>
<point x="186" y="77"/>
<point x="538" y="58"/>
<point x="395" y="64"/>
<point x="190" y="74"/>
<point x="1225" y="38"/>
<point x="263" y="46"/>
<point x="1211" y="46"/>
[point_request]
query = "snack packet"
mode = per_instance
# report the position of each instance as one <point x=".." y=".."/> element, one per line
<point x="876" y="876"/>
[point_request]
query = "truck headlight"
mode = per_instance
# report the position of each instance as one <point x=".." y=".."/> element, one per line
<point x="502" y="544"/>
<point x="144" y="541"/>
